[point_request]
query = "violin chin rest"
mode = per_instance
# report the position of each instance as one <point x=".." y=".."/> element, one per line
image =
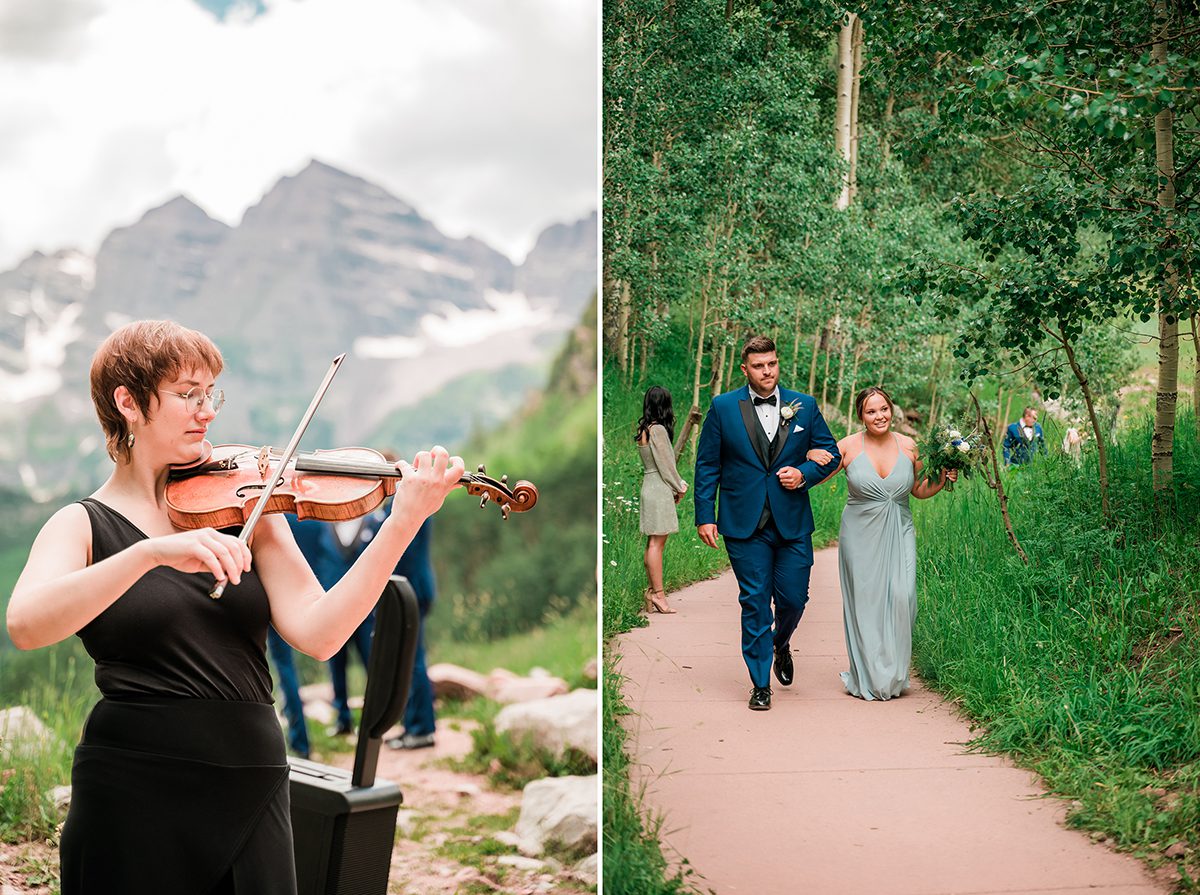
<point x="206" y="451"/>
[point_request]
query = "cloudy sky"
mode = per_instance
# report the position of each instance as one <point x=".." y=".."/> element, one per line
<point x="481" y="114"/>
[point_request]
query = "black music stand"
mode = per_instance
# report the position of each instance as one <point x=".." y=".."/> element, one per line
<point x="344" y="822"/>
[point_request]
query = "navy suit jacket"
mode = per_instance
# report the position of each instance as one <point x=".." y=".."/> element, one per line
<point x="416" y="564"/>
<point x="1019" y="451"/>
<point x="729" y="462"/>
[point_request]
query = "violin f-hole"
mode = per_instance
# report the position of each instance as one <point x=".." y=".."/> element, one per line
<point x="244" y="490"/>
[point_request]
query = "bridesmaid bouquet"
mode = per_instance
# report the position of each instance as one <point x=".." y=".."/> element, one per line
<point x="947" y="448"/>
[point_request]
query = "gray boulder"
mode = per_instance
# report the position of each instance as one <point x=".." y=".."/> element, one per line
<point x="557" y="722"/>
<point x="563" y="810"/>
<point x="22" y="733"/>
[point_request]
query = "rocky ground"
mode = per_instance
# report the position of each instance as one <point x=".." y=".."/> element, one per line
<point x="453" y="826"/>
<point x="28" y="867"/>
<point x="453" y="835"/>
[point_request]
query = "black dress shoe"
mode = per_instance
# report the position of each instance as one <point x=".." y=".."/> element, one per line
<point x="760" y="698"/>
<point x="411" y="741"/>
<point x="783" y="666"/>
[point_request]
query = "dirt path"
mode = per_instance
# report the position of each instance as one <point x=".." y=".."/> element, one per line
<point x="825" y="793"/>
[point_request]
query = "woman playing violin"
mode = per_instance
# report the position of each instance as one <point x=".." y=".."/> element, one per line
<point x="180" y="781"/>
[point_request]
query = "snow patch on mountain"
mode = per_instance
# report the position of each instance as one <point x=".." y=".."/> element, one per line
<point x="78" y="264"/>
<point x="456" y="328"/>
<point x="48" y="333"/>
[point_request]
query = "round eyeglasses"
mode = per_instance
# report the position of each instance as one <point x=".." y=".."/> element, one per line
<point x="196" y="396"/>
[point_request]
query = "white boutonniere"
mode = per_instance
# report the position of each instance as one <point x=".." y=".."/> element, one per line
<point x="788" y="410"/>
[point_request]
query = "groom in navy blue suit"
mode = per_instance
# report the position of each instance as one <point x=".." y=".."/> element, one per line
<point x="753" y="450"/>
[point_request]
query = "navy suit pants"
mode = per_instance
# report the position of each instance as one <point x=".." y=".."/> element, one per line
<point x="769" y="568"/>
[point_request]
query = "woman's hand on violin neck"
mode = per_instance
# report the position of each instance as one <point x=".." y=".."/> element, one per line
<point x="425" y="482"/>
<point x="202" y="550"/>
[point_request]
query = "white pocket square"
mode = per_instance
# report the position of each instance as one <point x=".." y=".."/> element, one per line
<point x="798" y="428"/>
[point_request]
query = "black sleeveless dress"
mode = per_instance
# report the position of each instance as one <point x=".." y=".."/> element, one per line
<point x="180" y="781"/>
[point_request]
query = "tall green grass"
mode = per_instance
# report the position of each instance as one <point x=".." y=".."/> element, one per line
<point x="32" y="770"/>
<point x="1085" y="664"/>
<point x="563" y="646"/>
<point x="633" y="860"/>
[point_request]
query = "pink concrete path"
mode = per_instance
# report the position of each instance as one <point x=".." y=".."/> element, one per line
<point x="825" y="794"/>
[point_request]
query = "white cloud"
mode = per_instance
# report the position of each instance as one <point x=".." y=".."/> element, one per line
<point x="482" y="115"/>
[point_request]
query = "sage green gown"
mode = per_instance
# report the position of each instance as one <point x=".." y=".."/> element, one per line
<point x="877" y="555"/>
<point x="660" y="483"/>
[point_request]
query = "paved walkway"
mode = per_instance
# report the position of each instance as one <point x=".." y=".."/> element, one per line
<point x="825" y="794"/>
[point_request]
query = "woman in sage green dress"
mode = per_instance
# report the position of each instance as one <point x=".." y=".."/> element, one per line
<point x="661" y="488"/>
<point x="877" y="549"/>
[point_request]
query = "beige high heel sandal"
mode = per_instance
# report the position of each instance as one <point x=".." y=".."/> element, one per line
<point x="655" y="605"/>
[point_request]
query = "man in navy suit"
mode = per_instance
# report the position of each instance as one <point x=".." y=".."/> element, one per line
<point x="753" y="450"/>
<point x="1023" y="439"/>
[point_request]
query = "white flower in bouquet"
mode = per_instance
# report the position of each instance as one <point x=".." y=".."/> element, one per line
<point x="954" y="433"/>
<point x="964" y="446"/>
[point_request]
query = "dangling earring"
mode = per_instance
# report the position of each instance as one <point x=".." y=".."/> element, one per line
<point x="129" y="440"/>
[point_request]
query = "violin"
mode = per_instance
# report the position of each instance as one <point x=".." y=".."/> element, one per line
<point x="223" y="488"/>
<point x="239" y="492"/>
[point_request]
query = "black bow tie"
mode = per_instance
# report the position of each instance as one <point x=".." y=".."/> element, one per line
<point x="770" y="399"/>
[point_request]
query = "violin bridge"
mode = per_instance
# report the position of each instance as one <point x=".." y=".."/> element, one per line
<point x="264" y="462"/>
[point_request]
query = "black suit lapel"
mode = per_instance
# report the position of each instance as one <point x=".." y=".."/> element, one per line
<point x="781" y="437"/>
<point x="754" y="429"/>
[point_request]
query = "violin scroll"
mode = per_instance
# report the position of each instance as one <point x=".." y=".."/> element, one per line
<point x="520" y="498"/>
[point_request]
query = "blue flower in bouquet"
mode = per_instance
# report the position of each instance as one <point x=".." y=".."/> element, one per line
<point x="948" y="448"/>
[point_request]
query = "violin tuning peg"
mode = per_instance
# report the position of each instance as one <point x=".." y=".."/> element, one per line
<point x="480" y="469"/>
<point x="484" y="500"/>
<point x="503" y="480"/>
<point x="504" y="511"/>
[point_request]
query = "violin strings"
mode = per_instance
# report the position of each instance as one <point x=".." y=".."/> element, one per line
<point x="350" y="467"/>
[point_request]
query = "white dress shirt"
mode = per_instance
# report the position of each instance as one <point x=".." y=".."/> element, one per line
<point x="768" y="414"/>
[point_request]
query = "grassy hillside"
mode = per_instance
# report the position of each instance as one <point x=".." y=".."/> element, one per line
<point x="494" y="577"/>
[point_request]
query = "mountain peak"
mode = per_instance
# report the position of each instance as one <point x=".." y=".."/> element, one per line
<point x="182" y="211"/>
<point x="316" y="167"/>
<point x="320" y="179"/>
<point x="317" y="172"/>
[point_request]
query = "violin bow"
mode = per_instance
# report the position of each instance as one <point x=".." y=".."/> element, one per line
<point x="256" y="514"/>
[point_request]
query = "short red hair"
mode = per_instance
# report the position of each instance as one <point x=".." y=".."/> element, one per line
<point x="141" y="356"/>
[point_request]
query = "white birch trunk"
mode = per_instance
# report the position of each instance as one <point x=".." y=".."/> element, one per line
<point x="1163" y="444"/>
<point x="845" y="98"/>
<point x="856" y="42"/>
